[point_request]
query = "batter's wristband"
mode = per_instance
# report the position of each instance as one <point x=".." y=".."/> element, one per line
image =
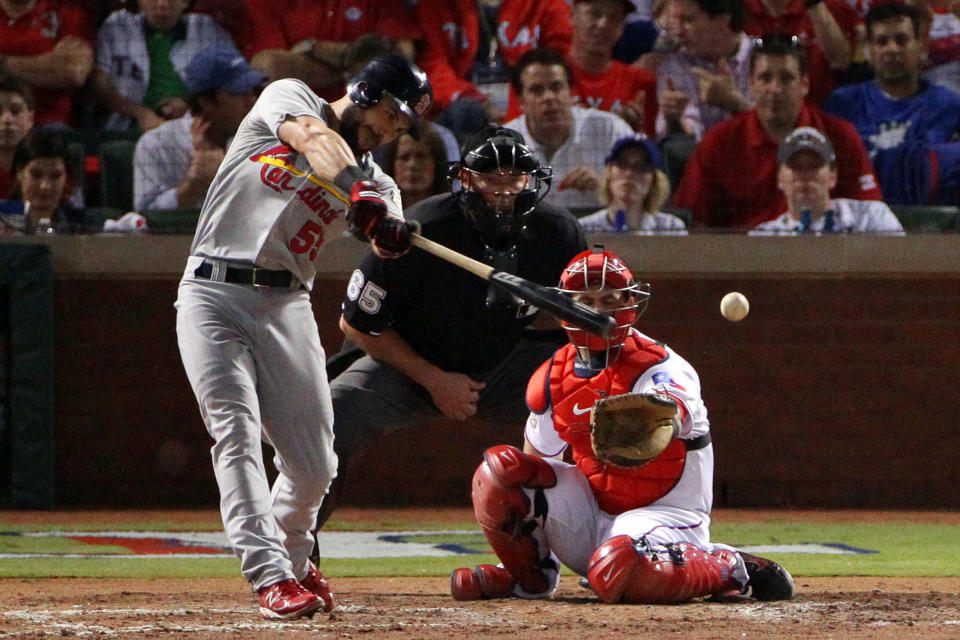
<point x="346" y="178"/>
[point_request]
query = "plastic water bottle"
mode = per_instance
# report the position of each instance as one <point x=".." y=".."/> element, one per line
<point x="620" y="221"/>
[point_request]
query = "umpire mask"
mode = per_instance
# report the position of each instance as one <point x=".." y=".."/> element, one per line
<point x="501" y="181"/>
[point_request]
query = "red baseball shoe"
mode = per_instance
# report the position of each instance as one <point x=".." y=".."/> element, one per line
<point x="287" y="600"/>
<point x="317" y="584"/>
<point x="487" y="581"/>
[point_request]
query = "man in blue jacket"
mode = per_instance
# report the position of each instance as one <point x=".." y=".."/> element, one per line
<point x="908" y="125"/>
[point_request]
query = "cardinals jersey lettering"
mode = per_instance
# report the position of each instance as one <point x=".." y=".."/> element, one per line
<point x="309" y="210"/>
<point x="561" y="398"/>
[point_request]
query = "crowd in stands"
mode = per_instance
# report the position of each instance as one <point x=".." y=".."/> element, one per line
<point x="656" y="116"/>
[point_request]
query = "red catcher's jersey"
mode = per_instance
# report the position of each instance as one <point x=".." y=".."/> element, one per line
<point x="617" y="489"/>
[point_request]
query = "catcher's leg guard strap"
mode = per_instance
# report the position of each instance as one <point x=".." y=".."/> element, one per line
<point x="620" y="572"/>
<point x="502" y="508"/>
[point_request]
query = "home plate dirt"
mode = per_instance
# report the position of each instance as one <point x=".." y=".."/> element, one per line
<point x="841" y="608"/>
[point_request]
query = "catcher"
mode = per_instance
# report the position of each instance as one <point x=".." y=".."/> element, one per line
<point x="632" y="513"/>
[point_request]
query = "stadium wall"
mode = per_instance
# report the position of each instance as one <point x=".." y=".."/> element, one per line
<point x="833" y="392"/>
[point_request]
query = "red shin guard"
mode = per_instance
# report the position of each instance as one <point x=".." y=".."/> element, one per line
<point x="620" y="573"/>
<point x="501" y="508"/>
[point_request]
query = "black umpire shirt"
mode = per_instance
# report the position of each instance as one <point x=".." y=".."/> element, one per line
<point x="441" y="309"/>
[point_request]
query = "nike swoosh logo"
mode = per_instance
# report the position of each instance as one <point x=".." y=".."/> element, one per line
<point x="577" y="411"/>
<point x="610" y="573"/>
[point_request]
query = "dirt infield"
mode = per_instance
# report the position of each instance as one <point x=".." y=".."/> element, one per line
<point x="414" y="608"/>
<point x="842" y="609"/>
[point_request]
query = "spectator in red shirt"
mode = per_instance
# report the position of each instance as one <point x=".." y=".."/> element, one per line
<point x="16" y="120"/>
<point x="731" y="180"/>
<point x="600" y="81"/>
<point x="827" y="29"/>
<point x="471" y="46"/>
<point x="47" y="44"/>
<point x="309" y="39"/>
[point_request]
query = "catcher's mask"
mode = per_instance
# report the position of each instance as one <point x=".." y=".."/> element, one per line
<point x="500" y="182"/>
<point x="595" y="272"/>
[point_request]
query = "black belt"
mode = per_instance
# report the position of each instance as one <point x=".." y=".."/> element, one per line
<point x="699" y="442"/>
<point x="254" y="275"/>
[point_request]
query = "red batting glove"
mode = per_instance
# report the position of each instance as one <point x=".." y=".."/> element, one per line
<point x="367" y="209"/>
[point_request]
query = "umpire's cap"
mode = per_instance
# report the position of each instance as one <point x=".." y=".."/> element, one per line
<point x="404" y="81"/>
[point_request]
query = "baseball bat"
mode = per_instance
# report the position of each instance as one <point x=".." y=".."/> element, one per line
<point x="545" y="298"/>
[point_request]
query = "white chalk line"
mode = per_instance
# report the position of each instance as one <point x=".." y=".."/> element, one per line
<point x="333" y="544"/>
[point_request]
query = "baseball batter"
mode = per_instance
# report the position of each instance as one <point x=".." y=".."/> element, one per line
<point x="297" y="174"/>
<point x="637" y="525"/>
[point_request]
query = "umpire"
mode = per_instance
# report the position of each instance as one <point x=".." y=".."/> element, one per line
<point x="436" y="340"/>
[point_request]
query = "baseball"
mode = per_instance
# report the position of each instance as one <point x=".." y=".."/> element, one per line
<point x="734" y="306"/>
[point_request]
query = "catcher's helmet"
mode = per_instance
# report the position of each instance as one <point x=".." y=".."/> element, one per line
<point x="499" y="213"/>
<point x="596" y="271"/>
<point x="402" y="80"/>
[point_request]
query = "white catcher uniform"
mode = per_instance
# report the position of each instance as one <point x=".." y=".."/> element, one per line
<point x="575" y="524"/>
<point x="252" y="351"/>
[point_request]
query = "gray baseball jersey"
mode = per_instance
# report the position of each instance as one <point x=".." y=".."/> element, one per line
<point x="252" y="353"/>
<point x="265" y="206"/>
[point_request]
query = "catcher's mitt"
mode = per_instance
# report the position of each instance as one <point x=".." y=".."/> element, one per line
<point x="632" y="429"/>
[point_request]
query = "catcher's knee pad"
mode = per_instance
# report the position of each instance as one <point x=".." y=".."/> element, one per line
<point x="497" y="495"/>
<point x="514" y="468"/>
<point x="501" y="508"/>
<point x="624" y="570"/>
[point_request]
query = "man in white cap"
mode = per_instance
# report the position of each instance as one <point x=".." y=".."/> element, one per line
<point x="807" y="173"/>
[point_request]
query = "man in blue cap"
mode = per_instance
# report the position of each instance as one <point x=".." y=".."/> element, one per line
<point x="175" y="163"/>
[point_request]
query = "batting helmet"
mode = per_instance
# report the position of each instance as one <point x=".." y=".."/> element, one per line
<point x="600" y="271"/>
<point x="499" y="213"/>
<point x="402" y="80"/>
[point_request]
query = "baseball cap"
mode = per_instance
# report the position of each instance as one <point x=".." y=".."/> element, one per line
<point x="220" y="67"/>
<point x="636" y="141"/>
<point x="627" y="5"/>
<point x="806" y="139"/>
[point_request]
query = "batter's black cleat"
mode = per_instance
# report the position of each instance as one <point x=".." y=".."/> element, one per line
<point x="767" y="579"/>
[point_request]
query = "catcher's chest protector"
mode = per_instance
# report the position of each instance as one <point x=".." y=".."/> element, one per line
<point x="617" y="489"/>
